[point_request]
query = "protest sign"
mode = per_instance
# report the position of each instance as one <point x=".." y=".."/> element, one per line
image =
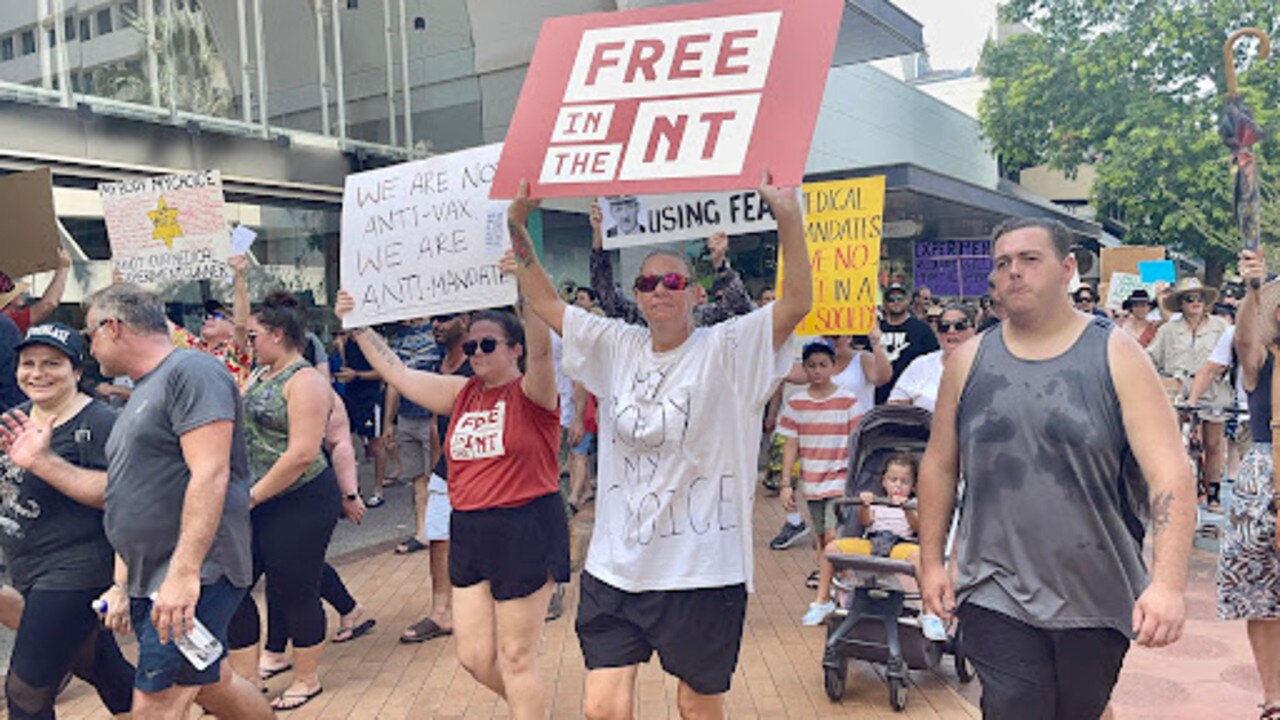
<point x="1122" y="286"/>
<point x="1126" y="258"/>
<point x="631" y="220"/>
<point x="1153" y="271"/>
<point x="953" y="268"/>
<point x="673" y="99"/>
<point x="242" y="239"/>
<point x="167" y="229"/>
<point x="30" y="240"/>
<point x="422" y="238"/>
<point x="843" y="220"/>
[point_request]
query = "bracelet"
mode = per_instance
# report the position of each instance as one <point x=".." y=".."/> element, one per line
<point x="357" y="332"/>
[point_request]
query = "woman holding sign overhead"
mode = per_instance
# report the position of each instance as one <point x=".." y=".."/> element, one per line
<point x="508" y="540"/>
<point x="670" y="562"/>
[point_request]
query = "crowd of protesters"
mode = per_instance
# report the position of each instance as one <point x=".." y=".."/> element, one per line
<point x="192" y="465"/>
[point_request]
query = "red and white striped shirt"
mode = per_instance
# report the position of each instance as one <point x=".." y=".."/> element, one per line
<point x="822" y="428"/>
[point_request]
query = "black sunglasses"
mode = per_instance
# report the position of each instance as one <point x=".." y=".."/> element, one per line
<point x="215" y="316"/>
<point x="671" y="281"/>
<point x="252" y="337"/>
<point x="1192" y="298"/>
<point x="486" y="345"/>
<point x="895" y="298"/>
<point x="958" y="326"/>
<point x="1086" y="299"/>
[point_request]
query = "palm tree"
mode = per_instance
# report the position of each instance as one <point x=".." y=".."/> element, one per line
<point x="189" y="63"/>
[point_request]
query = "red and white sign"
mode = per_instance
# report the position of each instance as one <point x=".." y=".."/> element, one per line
<point x="673" y="99"/>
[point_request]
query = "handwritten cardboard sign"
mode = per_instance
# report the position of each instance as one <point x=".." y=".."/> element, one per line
<point x="422" y="238"/>
<point x="843" y="222"/>
<point x="671" y="99"/>
<point x="30" y="239"/>
<point x="1122" y="286"/>
<point x="631" y="220"/>
<point x="953" y="268"/>
<point x="1126" y="258"/>
<point x="167" y="229"/>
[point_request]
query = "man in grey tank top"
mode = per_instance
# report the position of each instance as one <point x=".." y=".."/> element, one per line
<point x="1049" y="417"/>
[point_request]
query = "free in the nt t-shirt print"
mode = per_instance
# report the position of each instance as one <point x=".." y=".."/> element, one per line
<point x="478" y="434"/>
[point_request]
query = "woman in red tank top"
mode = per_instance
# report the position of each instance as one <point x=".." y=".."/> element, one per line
<point x="509" y="537"/>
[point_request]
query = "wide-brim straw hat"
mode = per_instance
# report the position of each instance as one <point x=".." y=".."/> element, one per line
<point x="11" y="290"/>
<point x="1173" y="301"/>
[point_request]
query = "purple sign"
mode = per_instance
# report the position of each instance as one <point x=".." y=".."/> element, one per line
<point x="957" y="268"/>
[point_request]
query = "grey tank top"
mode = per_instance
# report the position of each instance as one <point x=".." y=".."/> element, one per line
<point x="1050" y="532"/>
<point x="1260" y="402"/>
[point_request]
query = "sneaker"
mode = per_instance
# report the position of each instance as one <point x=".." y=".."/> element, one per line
<point x="932" y="627"/>
<point x="817" y="613"/>
<point x="789" y="535"/>
<point x="843" y="583"/>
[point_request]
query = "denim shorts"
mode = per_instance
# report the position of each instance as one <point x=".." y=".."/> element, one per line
<point x="161" y="666"/>
<point x="586" y="446"/>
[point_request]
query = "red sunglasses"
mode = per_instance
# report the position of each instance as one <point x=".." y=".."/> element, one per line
<point x="671" y="281"/>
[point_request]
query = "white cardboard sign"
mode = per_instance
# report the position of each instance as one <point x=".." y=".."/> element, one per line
<point x="167" y="229"/>
<point x="1122" y="286"/>
<point x="422" y="238"/>
<point x="631" y="220"/>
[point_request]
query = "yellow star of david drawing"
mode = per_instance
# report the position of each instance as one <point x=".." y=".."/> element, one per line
<point x="165" y="219"/>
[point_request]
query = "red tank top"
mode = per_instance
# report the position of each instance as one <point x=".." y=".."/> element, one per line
<point x="501" y="448"/>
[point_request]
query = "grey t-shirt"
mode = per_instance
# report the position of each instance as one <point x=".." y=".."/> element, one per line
<point x="1051" y="531"/>
<point x="147" y="475"/>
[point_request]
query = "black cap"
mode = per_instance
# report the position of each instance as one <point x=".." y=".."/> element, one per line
<point x="895" y="287"/>
<point x="59" y="337"/>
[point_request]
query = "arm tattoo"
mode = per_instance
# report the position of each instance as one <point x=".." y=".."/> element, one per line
<point x="1161" y="509"/>
<point x="520" y="244"/>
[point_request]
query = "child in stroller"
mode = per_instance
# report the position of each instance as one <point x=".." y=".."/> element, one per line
<point x="889" y="531"/>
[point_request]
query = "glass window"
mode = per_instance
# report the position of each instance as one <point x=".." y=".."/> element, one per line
<point x="104" y="21"/>
<point x="129" y="8"/>
<point x="84" y="29"/>
<point x="53" y="37"/>
<point x="69" y="28"/>
<point x="6" y="48"/>
<point x="28" y="42"/>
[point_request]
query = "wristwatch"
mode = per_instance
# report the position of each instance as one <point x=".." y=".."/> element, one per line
<point x="351" y="496"/>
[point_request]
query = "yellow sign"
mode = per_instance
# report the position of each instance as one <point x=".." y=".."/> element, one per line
<point x="165" y="220"/>
<point x="842" y="226"/>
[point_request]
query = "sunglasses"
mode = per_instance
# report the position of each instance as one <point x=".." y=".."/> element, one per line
<point x="670" y="281"/>
<point x="446" y="317"/>
<point x="486" y="345"/>
<point x="1192" y="298"/>
<point x="88" y="333"/>
<point x="895" y="298"/>
<point x="1086" y="299"/>
<point x="215" y="316"/>
<point x="958" y="326"/>
<point x="251" y="336"/>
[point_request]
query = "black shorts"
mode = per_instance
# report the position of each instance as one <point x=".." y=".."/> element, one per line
<point x="697" y="633"/>
<point x="1029" y="672"/>
<point x="365" y="414"/>
<point x="515" y="549"/>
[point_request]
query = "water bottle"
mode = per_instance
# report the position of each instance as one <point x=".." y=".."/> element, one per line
<point x="198" y="646"/>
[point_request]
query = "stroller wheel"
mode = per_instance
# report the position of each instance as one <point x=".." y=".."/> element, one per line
<point x="833" y="680"/>
<point x="897" y="693"/>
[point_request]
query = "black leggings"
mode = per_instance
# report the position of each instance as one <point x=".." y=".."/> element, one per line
<point x="332" y="591"/>
<point x="290" y="536"/>
<point x="60" y="633"/>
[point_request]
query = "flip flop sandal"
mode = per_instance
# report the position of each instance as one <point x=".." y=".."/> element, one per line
<point x="423" y="630"/>
<point x="374" y="501"/>
<point x="354" y="631"/>
<point x="412" y="545"/>
<point x="1270" y="712"/>
<point x="811" y="582"/>
<point x="272" y="672"/>
<point x="294" y="701"/>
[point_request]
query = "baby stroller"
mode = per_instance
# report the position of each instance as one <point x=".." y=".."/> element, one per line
<point x="873" y="623"/>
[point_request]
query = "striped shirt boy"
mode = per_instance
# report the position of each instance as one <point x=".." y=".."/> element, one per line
<point x="822" y="428"/>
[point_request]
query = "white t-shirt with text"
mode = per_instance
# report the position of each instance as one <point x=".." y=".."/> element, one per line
<point x="679" y="437"/>
<point x="919" y="382"/>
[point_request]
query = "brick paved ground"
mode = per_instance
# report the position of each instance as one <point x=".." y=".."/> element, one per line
<point x="1208" y="674"/>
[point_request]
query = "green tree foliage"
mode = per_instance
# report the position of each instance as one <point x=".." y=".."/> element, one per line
<point x="1134" y="87"/>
